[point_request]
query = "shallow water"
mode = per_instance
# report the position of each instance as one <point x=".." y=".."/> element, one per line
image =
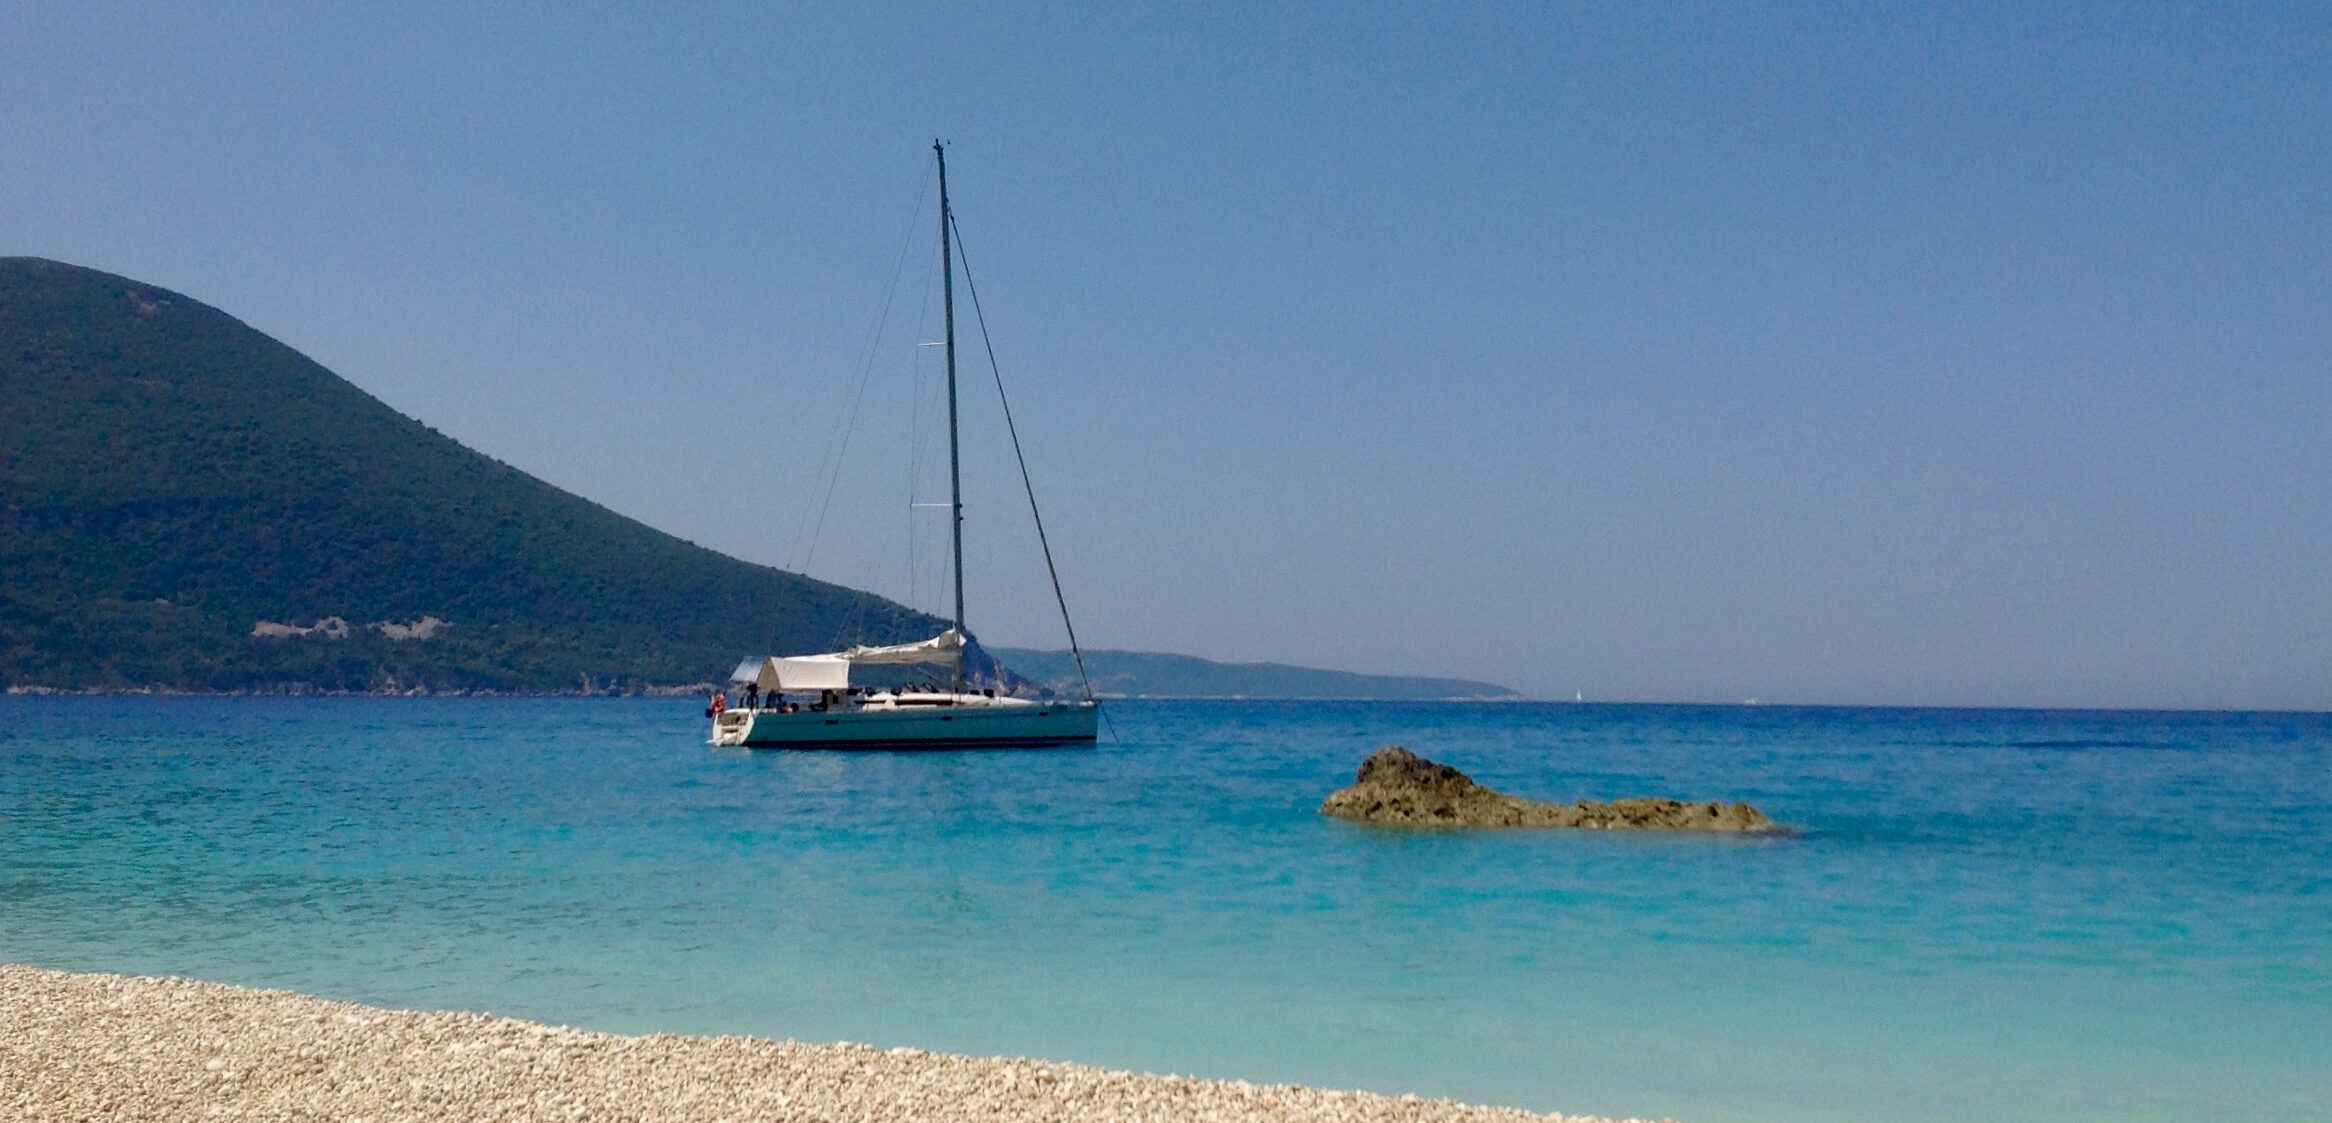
<point x="1989" y="916"/>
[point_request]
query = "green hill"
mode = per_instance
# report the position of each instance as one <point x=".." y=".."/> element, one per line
<point x="1141" y="674"/>
<point x="172" y="480"/>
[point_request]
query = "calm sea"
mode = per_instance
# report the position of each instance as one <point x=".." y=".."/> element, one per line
<point x="1989" y="915"/>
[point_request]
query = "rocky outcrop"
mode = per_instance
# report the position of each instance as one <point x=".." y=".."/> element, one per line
<point x="1398" y="787"/>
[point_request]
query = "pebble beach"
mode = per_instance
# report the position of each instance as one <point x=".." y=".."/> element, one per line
<point x="118" y="1048"/>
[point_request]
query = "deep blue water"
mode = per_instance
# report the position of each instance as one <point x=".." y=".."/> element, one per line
<point x="1989" y="915"/>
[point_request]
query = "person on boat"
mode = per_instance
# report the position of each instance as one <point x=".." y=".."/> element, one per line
<point x="719" y="703"/>
<point x="753" y="696"/>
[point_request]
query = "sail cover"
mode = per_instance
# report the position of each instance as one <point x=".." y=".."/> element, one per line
<point x="950" y="647"/>
<point x="832" y="671"/>
<point x="945" y="647"/>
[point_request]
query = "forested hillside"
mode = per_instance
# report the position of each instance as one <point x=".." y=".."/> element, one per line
<point x="181" y="495"/>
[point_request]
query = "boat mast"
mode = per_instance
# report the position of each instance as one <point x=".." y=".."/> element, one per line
<point x="955" y="470"/>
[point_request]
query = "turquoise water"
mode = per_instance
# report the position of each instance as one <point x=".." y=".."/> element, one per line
<point x="1990" y="915"/>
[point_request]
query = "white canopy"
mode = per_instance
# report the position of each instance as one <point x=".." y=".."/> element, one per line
<point x="799" y="672"/>
<point x="831" y="671"/>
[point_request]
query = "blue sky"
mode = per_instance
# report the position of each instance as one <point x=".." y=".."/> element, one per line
<point x="1878" y="354"/>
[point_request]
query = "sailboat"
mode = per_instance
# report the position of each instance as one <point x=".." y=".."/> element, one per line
<point x="811" y="702"/>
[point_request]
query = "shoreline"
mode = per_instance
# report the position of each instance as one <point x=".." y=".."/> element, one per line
<point x="87" y="1047"/>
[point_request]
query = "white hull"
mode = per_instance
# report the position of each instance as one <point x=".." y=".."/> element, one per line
<point x="1042" y="725"/>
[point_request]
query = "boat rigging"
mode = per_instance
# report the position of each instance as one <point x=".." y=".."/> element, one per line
<point x="827" y="710"/>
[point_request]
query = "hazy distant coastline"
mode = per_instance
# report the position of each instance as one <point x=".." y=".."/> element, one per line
<point x="1147" y="674"/>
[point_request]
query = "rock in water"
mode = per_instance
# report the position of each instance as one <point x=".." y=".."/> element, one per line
<point x="1399" y="787"/>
